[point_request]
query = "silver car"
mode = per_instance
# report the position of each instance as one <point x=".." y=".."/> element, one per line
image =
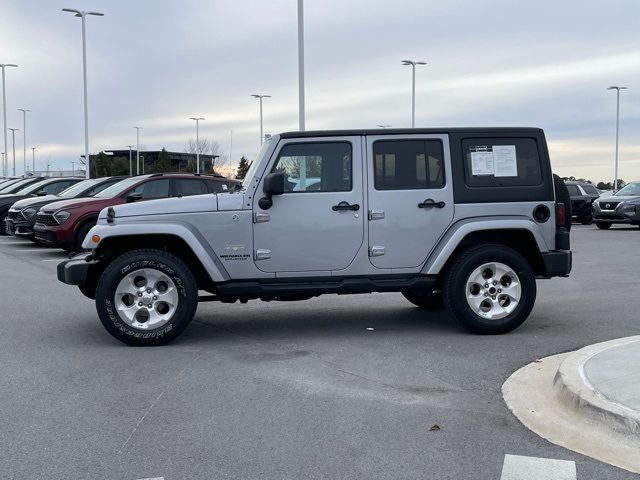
<point x="621" y="207"/>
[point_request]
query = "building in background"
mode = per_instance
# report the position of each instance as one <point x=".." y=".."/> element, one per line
<point x="116" y="162"/>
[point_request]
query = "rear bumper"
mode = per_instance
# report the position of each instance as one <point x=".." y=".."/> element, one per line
<point x="75" y="271"/>
<point x="557" y="263"/>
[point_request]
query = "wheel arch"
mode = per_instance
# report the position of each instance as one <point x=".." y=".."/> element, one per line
<point x="518" y="234"/>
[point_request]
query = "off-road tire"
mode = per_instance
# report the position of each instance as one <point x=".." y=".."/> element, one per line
<point x="425" y="300"/>
<point x="603" y="225"/>
<point x="3" y="217"/>
<point x="170" y="266"/>
<point x="562" y="196"/>
<point x="455" y="288"/>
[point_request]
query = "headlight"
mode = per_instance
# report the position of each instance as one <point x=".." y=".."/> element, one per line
<point x="61" y="216"/>
<point x="629" y="208"/>
<point x="28" y="212"/>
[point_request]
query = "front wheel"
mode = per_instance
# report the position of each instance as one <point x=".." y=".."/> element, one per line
<point x="603" y="225"/>
<point x="146" y="297"/>
<point x="490" y="289"/>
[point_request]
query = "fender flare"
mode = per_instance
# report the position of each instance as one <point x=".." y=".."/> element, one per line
<point x="184" y="231"/>
<point x="459" y="230"/>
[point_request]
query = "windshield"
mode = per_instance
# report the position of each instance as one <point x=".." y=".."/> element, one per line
<point x="254" y="165"/>
<point x="632" y="189"/>
<point x="16" y="186"/>
<point x="75" y="190"/>
<point x="9" y="183"/>
<point x="118" y="188"/>
<point x="34" y="187"/>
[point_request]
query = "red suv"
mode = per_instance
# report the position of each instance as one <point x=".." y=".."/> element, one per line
<point x="65" y="224"/>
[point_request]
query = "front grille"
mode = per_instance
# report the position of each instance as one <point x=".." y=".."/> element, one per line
<point x="611" y="205"/>
<point x="46" y="219"/>
<point x="12" y="215"/>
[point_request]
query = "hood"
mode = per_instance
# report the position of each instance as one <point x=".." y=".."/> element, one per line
<point x="6" y="200"/>
<point x="617" y="199"/>
<point x="79" y="202"/>
<point x="166" y="206"/>
<point x="34" y="201"/>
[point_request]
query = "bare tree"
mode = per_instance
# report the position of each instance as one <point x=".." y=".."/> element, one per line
<point x="205" y="147"/>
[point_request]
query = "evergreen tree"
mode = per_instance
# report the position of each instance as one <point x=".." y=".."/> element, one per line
<point x="243" y="168"/>
<point x="164" y="162"/>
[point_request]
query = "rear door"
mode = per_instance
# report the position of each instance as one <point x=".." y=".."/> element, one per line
<point x="410" y="197"/>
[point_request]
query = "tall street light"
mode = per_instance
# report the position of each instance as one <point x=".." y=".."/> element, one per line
<point x="24" y="136"/>
<point x="301" y="65"/>
<point x="130" y="162"/>
<point x="5" y="164"/>
<point x="138" y="149"/>
<point x="13" y="135"/>
<point x="617" y="89"/>
<point x="413" y="64"/>
<point x="260" y="97"/>
<point x="82" y="14"/>
<point x="197" y="119"/>
<point x="33" y="160"/>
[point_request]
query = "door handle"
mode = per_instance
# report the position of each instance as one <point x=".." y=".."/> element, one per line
<point x="429" y="203"/>
<point x="345" y="206"/>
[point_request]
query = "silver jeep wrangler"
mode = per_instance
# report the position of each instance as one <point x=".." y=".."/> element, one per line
<point x="463" y="218"/>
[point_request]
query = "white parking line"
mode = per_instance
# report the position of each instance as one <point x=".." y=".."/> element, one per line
<point x="32" y="250"/>
<point x="53" y="259"/>
<point x="154" y="478"/>
<point x="516" y="467"/>
<point x="13" y="242"/>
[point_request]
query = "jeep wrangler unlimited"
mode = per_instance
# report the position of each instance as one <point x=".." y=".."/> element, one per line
<point x="465" y="218"/>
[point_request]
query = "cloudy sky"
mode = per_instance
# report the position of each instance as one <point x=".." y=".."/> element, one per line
<point x="155" y="63"/>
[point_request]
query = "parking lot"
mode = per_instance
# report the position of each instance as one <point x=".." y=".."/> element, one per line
<point x="333" y="387"/>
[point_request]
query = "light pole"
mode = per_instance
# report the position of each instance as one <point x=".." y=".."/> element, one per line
<point x="130" y="162"/>
<point x="301" y="64"/>
<point x="13" y="135"/>
<point x="33" y="160"/>
<point x="197" y="119"/>
<point x="617" y="89"/>
<point x="260" y="97"/>
<point x="82" y="14"/>
<point x="138" y="149"/>
<point x="413" y="64"/>
<point x="24" y="136"/>
<point x="5" y="164"/>
<point x="73" y="169"/>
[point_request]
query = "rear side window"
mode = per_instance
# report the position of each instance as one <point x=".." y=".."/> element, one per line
<point x="186" y="187"/>
<point x="590" y="190"/>
<point x="315" y="167"/>
<point x="408" y="164"/>
<point x="153" y="189"/>
<point x="573" y="190"/>
<point x="501" y="162"/>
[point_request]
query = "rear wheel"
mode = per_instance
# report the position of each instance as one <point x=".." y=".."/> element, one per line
<point x="146" y="297"/>
<point x="490" y="289"/>
<point x="603" y="225"/>
<point x="427" y="300"/>
<point x="3" y="218"/>
<point x="587" y="218"/>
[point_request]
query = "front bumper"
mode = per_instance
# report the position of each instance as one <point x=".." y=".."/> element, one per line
<point x="75" y="271"/>
<point x="621" y="214"/>
<point x="557" y="263"/>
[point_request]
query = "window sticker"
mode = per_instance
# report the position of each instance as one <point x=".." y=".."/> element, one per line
<point x="504" y="161"/>
<point x="482" y="162"/>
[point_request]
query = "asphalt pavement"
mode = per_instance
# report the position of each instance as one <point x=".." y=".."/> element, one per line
<point x="333" y="387"/>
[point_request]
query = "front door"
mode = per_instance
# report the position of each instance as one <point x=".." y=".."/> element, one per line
<point x="410" y="197"/>
<point x="318" y="223"/>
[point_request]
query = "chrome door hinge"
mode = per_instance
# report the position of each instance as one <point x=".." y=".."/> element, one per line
<point x="376" y="214"/>
<point x="262" y="254"/>
<point x="376" y="250"/>
<point x="259" y="217"/>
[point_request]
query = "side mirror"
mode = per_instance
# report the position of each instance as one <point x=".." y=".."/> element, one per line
<point x="41" y="193"/>
<point x="273" y="185"/>
<point x="132" y="197"/>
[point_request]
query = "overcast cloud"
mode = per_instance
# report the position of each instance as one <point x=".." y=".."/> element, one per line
<point x="490" y="63"/>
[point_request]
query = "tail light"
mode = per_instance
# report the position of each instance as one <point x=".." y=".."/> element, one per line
<point x="561" y="214"/>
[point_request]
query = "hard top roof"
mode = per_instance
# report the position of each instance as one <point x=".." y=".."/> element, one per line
<point x="409" y="131"/>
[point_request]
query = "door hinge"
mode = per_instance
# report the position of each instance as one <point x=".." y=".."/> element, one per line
<point x="259" y="217"/>
<point x="262" y="254"/>
<point x="376" y="250"/>
<point x="376" y="214"/>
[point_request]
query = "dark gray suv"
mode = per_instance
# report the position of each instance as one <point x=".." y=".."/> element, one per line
<point x="621" y="207"/>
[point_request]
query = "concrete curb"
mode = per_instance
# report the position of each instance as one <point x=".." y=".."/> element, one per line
<point x="572" y="386"/>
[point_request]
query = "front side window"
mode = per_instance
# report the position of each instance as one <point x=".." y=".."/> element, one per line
<point x="573" y="190"/>
<point x="501" y="162"/>
<point x="153" y="189"/>
<point x="316" y="167"/>
<point x="408" y="164"/>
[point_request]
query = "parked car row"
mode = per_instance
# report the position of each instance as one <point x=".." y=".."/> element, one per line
<point x="589" y="205"/>
<point x="59" y="212"/>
